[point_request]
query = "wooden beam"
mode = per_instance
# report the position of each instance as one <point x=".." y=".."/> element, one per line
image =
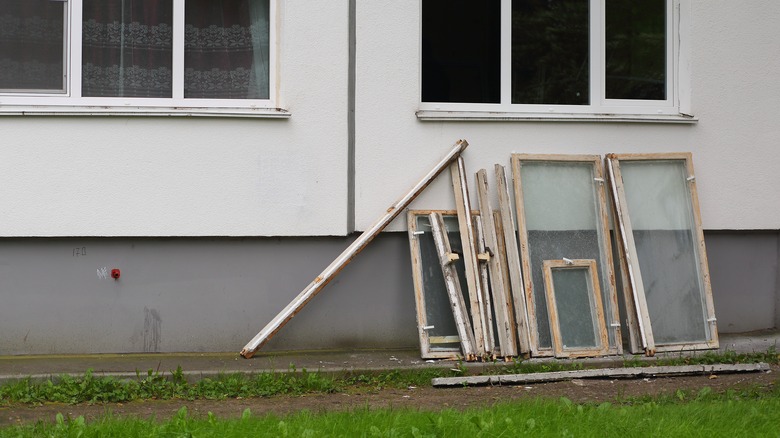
<point x="348" y="254"/>
<point x="466" y="225"/>
<point x="484" y="282"/>
<point x="501" y="302"/>
<point x="513" y="261"/>
<point x="638" y="302"/>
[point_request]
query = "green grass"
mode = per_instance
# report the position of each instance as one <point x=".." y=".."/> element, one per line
<point x="704" y="414"/>
<point x="709" y="358"/>
<point x="153" y="385"/>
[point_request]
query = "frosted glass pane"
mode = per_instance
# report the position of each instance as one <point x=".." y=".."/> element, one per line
<point x="659" y="205"/>
<point x="561" y="213"/>
<point x="438" y="311"/>
<point x="574" y="303"/>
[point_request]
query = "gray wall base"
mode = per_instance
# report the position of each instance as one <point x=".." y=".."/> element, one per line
<point x="215" y="294"/>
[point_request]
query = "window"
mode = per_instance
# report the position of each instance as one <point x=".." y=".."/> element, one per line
<point x="553" y="57"/>
<point x="137" y="53"/>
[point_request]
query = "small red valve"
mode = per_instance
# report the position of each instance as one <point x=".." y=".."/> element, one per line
<point x="116" y="273"/>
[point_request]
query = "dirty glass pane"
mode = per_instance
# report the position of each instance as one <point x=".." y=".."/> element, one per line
<point x="574" y="303"/>
<point x="550" y="52"/>
<point x="636" y="42"/>
<point x="438" y="311"/>
<point x="661" y="212"/>
<point x="563" y="221"/>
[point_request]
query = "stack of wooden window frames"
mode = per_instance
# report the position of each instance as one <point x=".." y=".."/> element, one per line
<point x="480" y="295"/>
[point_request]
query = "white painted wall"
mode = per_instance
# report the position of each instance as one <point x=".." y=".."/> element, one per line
<point x="201" y="176"/>
<point x="735" y="96"/>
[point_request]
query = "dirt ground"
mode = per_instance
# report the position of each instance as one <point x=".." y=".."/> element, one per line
<point x="586" y="390"/>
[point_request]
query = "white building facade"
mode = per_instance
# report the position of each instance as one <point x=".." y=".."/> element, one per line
<point x="218" y="203"/>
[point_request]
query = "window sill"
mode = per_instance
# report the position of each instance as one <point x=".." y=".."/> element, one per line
<point x="56" y="110"/>
<point x="497" y="116"/>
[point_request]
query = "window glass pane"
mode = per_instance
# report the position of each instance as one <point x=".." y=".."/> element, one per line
<point x="32" y="45"/>
<point x="461" y="51"/>
<point x="561" y="208"/>
<point x="226" y="49"/>
<point x="126" y="48"/>
<point x="438" y="311"/>
<point x="577" y="320"/>
<point x="550" y="44"/>
<point x="659" y="204"/>
<point x="636" y="49"/>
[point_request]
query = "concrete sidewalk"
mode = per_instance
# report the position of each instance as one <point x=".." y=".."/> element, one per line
<point x="199" y="365"/>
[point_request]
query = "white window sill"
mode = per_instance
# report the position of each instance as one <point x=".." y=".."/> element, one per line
<point x="61" y="110"/>
<point x="496" y="116"/>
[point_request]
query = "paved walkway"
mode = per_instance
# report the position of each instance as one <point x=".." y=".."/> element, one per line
<point x="197" y="365"/>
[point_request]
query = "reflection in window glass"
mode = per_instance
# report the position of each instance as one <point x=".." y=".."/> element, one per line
<point x="226" y="49"/>
<point x="461" y="44"/>
<point x="636" y="49"/>
<point x="126" y="48"/>
<point x="550" y="60"/>
<point x="32" y="45"/>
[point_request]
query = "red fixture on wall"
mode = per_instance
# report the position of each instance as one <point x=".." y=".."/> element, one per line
<point x="116" y="273"/>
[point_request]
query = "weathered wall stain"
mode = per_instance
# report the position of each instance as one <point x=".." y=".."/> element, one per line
<point x="152" y="326"/>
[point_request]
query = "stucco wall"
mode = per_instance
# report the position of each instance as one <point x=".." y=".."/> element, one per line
<point x="196" y="176"/>
<point x="734" y="96"/>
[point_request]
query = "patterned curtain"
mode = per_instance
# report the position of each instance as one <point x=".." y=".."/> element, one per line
<point x="32" y="45"/>
<point x="226" y="49"/>
<point x="126" y="48"/>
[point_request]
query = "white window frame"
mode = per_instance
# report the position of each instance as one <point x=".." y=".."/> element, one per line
<point x="72" y="103"/>
<point x="676" y="107"/>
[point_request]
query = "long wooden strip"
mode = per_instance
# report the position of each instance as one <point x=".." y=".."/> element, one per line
<point x="498" y="290"/>
<point x="452" y="284"/>
<point x="466" y="225"/>
<point x="513" y="261"/>
<point x="348" y="254"/>
<point x="595" y="373"/>
<point x="484" y="282"/>
<point x="631" y="258"/>
<point x="500" y="253"/>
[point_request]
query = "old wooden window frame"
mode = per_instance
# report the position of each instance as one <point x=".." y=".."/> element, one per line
<point x="423" y="325"/>
<point x="636" y="292"/>
<point x="596" y="308"/>
<point x="607" y="268"/>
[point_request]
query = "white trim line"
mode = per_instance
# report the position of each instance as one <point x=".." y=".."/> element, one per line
<point x="481" y="116"/>
<point x="56" y="110"/>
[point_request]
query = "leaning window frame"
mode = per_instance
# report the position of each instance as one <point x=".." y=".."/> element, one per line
<point x="676" y="107"/>
<point x="70" y="102"/>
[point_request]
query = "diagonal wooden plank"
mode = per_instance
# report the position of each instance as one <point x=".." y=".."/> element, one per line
<point x="348" y="254"/>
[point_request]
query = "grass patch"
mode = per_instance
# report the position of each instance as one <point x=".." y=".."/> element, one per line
<point x="154" y="385"/>
<point x="770" y="356"/>
<point x="705" y="415"/>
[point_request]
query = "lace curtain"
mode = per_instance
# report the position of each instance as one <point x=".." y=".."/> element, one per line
<point x="32" y="45"/>
<point x="127" y="48"/>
